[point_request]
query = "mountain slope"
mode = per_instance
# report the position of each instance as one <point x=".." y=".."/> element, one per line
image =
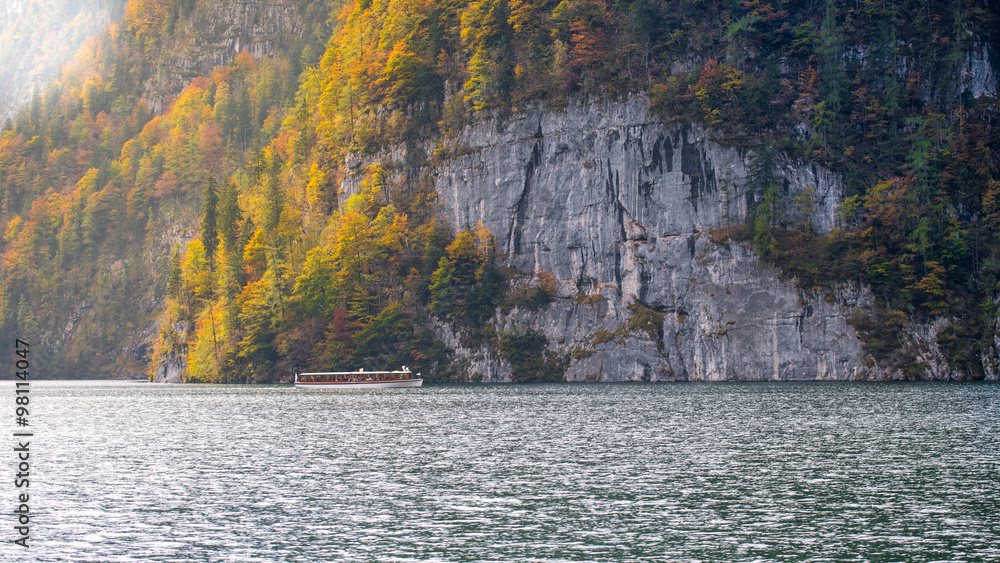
<point x="38" y="36"/>
<point x="314" y="201"/>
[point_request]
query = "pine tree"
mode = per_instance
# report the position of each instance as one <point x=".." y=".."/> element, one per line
<point x="229" y="217"/>
<point x="209" y="219"/>
<point x="273" y="200"/>
<point x="830" y="52"/>
<point x="767" y="205"/>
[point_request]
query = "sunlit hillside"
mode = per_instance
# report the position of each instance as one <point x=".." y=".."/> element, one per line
<point x="39" y="36"/>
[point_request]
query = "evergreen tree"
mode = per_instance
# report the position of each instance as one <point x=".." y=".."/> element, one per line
<point x="831" y="56"/>
<point x="209" y="218"/>
<point x="767" y="199"/>
<point x="229" y="217"/>
<point x="273" y="199"/>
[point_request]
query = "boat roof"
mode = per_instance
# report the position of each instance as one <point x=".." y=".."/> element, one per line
<point x="359" y="372"/>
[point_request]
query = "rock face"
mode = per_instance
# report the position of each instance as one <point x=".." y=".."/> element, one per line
<point x="613" y="203"/>
<point x="565" y="191"/>
<point x="977" y="75"/>
<point x="171" y="370"/>
<point x="618" y="207"/>
<point x="725" y="316"/>
<point x="991" y="359"/>
<point x="217" y="32"/>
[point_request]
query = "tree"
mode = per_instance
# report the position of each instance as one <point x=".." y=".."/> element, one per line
<point x="209" y="219"/>
<point x="405" y="74"/>
<point x="486" y="34"/>
<point x="260" y="316"/>
<point x="273" y="200"/>
<point x="831" y="57"/>
<point x="767" y="199"/>
<point x="255" y="255"/>
<point x="804" y="205"/>
<point x="442" y="291"/>
<point x="196" y="271"/>
<point x="230" y="217"/>
<point x="465" y="258"/>
<point x="375" y="343"/>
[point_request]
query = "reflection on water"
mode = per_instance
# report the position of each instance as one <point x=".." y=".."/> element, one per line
<point x="678" y="472"/>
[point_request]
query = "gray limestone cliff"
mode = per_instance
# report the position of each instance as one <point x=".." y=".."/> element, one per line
<point x="618" y="207"/>
<point x="215" y="33"/>
<point x="991" y="360"/>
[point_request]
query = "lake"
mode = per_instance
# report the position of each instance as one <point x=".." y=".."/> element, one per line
<point x="588" y="472"/>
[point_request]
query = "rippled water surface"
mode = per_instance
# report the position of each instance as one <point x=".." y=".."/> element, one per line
<point x="668" y="472"/>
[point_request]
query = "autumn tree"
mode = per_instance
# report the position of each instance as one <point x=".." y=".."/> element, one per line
<point x="486" y="35"/>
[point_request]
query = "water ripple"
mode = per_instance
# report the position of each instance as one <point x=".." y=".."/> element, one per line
<point x="686" y="472"/>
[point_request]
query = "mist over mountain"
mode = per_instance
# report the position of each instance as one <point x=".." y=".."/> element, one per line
<point x="38" y="36"/>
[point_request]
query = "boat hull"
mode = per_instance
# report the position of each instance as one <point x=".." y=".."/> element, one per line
<point x="359" y="384"/>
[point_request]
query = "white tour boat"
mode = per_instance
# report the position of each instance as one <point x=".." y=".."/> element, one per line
<point x="360" y="379"/>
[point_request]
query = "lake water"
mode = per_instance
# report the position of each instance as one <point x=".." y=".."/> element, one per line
<point x="604" y="472"/>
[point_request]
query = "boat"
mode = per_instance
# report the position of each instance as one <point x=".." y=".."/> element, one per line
<point x="360" y="379"/>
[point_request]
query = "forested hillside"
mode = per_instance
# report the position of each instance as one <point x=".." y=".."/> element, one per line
<point x="212" y="235"/>
<point x="38" y="36"/>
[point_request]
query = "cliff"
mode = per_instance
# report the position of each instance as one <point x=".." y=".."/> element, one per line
<point x="215" y="33"/>
<point x="621" y="209"/>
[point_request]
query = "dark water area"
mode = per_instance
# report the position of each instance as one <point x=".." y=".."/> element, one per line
<point x="632" y="472"/>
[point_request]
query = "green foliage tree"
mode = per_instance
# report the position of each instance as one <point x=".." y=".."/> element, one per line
<point x="486" y="34"/>
<point x="443" y="294"/>
<point x="230" y="219"/>
<point x="767" y="204"/>
<point x="210" y="218"/>
<point x="273" y="203"/>
<point x="260" y="317"/>
<point x="530" y="361"/>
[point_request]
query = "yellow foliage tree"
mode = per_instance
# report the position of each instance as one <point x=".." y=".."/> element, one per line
<point x="195" y="272"/>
